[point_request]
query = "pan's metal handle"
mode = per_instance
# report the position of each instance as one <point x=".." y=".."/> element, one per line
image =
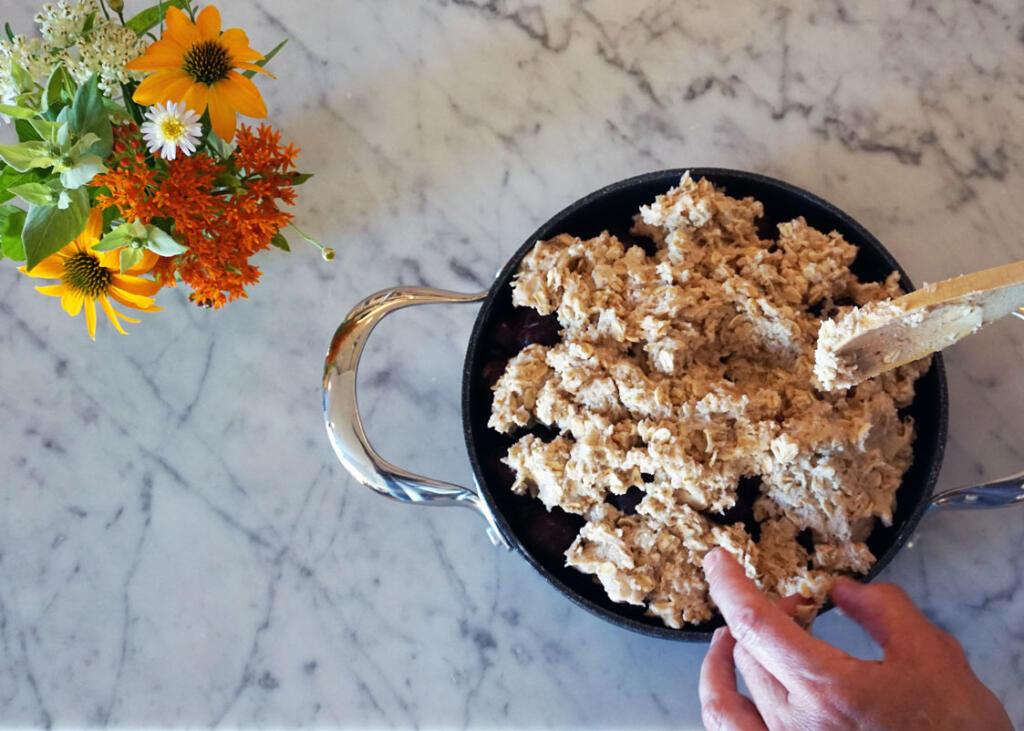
<point x="341" y="412"/>
<point x="996" y="494"/>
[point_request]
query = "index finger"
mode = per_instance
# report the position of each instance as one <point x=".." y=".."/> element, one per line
<point x="764" y="630"/>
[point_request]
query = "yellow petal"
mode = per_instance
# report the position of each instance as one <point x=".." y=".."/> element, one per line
<point x="72" y="302"/>
<point x="93" y="228"/>
<point x="53" y="290"/>
<point x="180" y="28"/>
<point x="243" y="95"/>
<point x="196" y="97"/>
<point x="136" y="285"/>
<point x="110" y="259"/>
<point x="52" y="267"/>
<point x="147" y="262"/>
<point x="208" y="23"/>
<point x="222" y="116"/>
<point x="90" y="318"/>
<point x="136" y="302"/>
<point x="254" y="67"/>
<point x="153" y="88"/>
<point x="165" y="54"/>
<point x="111" y="314"/>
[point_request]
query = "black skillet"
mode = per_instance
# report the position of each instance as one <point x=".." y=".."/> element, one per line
<point x="501" y="330"/>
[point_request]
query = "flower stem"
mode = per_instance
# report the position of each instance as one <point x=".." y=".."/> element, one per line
<point x="325" y="251"/>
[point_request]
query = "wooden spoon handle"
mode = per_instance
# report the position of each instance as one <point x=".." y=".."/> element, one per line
<point x="885" y="335"/>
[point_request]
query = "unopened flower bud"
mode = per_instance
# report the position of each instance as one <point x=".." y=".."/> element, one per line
<point x="328" y="254"/>
<point x="116" y="5"/>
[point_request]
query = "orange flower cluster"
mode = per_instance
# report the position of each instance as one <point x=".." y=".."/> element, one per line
<point x="222" y="215"/>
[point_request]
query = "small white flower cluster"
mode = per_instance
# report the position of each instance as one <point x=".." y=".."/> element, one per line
<point x="61" y="25"/>
<point x="105" y="51"/>
<point x="31" y="56"/>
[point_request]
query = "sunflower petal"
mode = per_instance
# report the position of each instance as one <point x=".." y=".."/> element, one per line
<point x="90" y="318"/>
<point x="52" y="267"/>
<point x="197" y="97"/>
<point x="110" y="259"/>
<point x="180" y="28"/>
<point x="243" y="95"/>
<point x="93" y="228"/>
<point x="254" y="67"/>
<point x="136" y="285"/>
<point x="208" y="23"/>
<point x="72" y="302"/>
<point x="53" y="290"/>
<point x="165" y="54"/>
<point x="111" y="314"/>
<point x="222" y="115"/>
<point x="237" y="43"/>
<point x="153" y="88"/>
<point x="147" y="262"/>
<point x="136" y="302"/>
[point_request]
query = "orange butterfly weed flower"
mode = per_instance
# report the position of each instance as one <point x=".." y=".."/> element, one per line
<point x="194" y="63"/>
<point x="221" y="228"/>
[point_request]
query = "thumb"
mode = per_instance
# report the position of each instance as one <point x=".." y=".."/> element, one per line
<point x="883" y="609"/>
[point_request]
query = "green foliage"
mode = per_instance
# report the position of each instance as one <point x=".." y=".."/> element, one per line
<point x="12" y="219"/>
<point x="88" y="116"/>
<point x="49" y="228"/>
<point x="263" y="62"/>
<point x="153" y="16"/>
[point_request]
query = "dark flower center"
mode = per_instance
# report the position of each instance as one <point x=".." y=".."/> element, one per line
<point x="207" y="62"/>
<point x="83" y="272"/>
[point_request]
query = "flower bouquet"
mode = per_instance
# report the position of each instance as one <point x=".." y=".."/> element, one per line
<point x="130" y="170"/>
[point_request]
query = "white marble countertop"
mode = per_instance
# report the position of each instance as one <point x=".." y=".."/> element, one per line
<point x="178" y="544"/>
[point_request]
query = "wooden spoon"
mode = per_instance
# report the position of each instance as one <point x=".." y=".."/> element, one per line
<point x="881" y="336"/>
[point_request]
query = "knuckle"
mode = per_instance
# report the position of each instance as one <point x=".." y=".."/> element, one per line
<point x="746" y="624"/>
<point x="715" y="714"/>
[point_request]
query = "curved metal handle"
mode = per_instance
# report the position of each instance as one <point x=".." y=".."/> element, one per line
<point x="996" y="494"/>
<point x="341" y="411"/>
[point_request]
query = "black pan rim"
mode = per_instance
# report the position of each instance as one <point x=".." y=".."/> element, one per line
<point x="670" y="177"/>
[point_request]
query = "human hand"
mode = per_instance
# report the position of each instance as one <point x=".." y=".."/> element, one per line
<point x="799" y="682"/>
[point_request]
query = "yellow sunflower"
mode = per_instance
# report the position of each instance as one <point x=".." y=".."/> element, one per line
<point x="194" y="64"/>
<point x="87" y="276"/>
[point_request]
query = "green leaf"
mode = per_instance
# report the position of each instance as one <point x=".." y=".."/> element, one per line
<point x="17" y="112"/>
<point x="60" y="87"/>
<point x="25" y="131"/>
<point x="84" y="170"/>
<point x="27" y="155"/>
<point x="10" y="234"/>
<point x="21" y="77"/>
<point x="160" y="242"/>
<point x="45" y="129"/>
<point x="151" y="17"/>
<point x="120" y="236"/>
<point x="299" y="178"/>
<point x="48" y="228"/>
<point x="10" y="177"/>
<point x="9" y="32"/>
<point x="89" y="116"/>
<point x="130" y="256"/>
<point x="38" y="194"/>
<point x="280" y="241"/>
<point x="263" y="62"/>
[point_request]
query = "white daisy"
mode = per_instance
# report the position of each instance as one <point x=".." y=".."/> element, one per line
<point x="170" y="127"/>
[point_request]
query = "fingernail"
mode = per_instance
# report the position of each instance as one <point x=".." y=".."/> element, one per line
<point x="711" y="558"/>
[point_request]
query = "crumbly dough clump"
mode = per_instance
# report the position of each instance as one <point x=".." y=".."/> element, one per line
<point x="683" y="372"/>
